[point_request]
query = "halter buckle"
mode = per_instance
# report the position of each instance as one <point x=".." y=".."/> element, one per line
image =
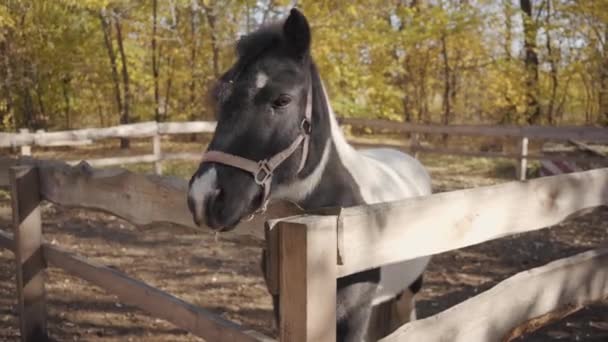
<point x="263" y="174"/>
<point x="306" y="126"/>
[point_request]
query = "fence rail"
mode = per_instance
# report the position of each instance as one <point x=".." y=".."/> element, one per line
<point x="321" y="246"/>
<point x="563" y="133"/>
<point x="141" y="200"/>
<point x="526" y="300"/>
<point x="573" y="134"/>
<point x="369" y="236"/>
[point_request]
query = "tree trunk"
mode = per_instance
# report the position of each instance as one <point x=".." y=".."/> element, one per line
<point x="155" y="67"/>
<point x="28" y="103"/>
<point x="125" y="117"/>
<point x="553" y="71"/>
<point x="447" y="85"/>
<point x="7" y="77"/>
<point x="42" y="118"/>
<point x="603" y="96"/>
<point x="531" y="62"/>
<point x="107" y="35"/>
<point x="194" y="40"/>
<point x="168" y="86"/>
<point x="508" y="28"/>
<point x="215" y="49"/>
<point x="65" y="85"/>
<point x="267" y="11"/>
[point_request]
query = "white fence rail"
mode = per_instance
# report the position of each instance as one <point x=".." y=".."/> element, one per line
<point x="154" y="130"/>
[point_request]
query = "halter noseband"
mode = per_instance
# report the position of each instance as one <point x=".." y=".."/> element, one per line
<point x="263" y="170"/>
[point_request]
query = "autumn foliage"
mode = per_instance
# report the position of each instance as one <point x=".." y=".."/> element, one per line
<point x="69" y="63"/>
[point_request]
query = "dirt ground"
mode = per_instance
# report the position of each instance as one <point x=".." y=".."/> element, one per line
<point x="223" y="274"/>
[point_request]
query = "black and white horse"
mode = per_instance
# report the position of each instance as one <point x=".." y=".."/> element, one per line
<point x="278" y="138"/>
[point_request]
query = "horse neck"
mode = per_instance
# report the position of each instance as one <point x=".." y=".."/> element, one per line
<point x="326" y="180"/>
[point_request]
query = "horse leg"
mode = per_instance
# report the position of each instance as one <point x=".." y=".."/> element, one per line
<point x="388" y="316"/>
<point x="354" y="296"/>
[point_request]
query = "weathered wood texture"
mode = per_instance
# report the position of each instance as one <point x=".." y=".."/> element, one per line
<point x="522" y="166"/>
<point x="136" y="130"/>
<point x="103" y="162"/>
<point x="589" y="133"/>
<point x="378" y="234"/>
<point x="140" y="199"/>
<point x="198" y="321"/>
<point x="491" y="315"/>
<point x="29" y="260"/>
<point x="358" y="143"/>
<point x="307" y="275"/>
<point x="186" y="127"/>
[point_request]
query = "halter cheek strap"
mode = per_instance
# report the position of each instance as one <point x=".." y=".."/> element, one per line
<point x="263" y="170"/>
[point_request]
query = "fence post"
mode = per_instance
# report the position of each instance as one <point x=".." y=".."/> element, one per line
<point x="26" y="150"/>
<point x="522" y="163"/>
<point x="307" y="280"/>
<point x="414" y="144"/>
<point x="158" y="166"/>
<point x="29" y="259"/>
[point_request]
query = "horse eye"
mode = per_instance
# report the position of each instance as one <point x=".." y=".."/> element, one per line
<point x="282" y="101"/>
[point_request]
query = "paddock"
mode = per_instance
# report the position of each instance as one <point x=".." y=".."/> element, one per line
<point x="589" y="236"/>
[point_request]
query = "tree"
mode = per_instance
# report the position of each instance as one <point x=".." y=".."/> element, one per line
<point x="533" y="114"/>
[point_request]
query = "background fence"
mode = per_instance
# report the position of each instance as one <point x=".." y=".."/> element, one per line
<point x="574" y="135"/>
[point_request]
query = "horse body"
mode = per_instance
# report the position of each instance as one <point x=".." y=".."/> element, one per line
<point x="331" y="173"/>
<point x="383" y="175"/>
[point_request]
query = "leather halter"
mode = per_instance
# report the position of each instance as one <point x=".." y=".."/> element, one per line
<point x="263" y="170"/>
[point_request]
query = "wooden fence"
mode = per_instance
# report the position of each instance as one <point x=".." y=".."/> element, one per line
<point x="571" y="134"/>
<point x="141" y="200"/>
<point x="345" y="241"/>
<point x="322" y="246"/>
<point x="152" y="129"/>
<point x="155" y="130"/>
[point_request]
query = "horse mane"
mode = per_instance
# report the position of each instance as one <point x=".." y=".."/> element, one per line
<point x="255" y="43"/>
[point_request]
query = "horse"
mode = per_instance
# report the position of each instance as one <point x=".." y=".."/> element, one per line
<point x="277" y="138"/>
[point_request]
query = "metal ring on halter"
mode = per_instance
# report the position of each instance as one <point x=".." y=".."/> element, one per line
<point x="306" y="126"/>
<point x="265" y="170"/>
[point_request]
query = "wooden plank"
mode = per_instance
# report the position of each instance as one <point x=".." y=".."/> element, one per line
<point x="140" y="199"/>
<point x="584" y="133"/>
<point x="585" y="147"/>
<point x="102" y="162"/>
<point x="65" y="143"/>
<point x="30" y="263"/>
<point x="183" y="155"/>
<point x="522" y="163"/>
<point x="158" y="156"/>
<point x="389" y="232"/>
<point x="467" y="153"/>
<point x="198" y="321"/>
<point x="489" y="316"/>
<point x="142" y="129"/>
<point x="186" y="127"/>
<point x="26" y="150"/>
<point x="272" y="256"/>
<point x="308" y="249"/>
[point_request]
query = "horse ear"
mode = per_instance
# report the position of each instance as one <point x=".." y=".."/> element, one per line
<point x="297" y="32"/>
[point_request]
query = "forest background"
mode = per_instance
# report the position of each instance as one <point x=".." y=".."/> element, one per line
<point x="68" y="64"/>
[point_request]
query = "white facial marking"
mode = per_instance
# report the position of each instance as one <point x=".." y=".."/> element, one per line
<point x="201" y="188"/>
<point x="300" y="189"/>
<point x="260" y="80"/>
